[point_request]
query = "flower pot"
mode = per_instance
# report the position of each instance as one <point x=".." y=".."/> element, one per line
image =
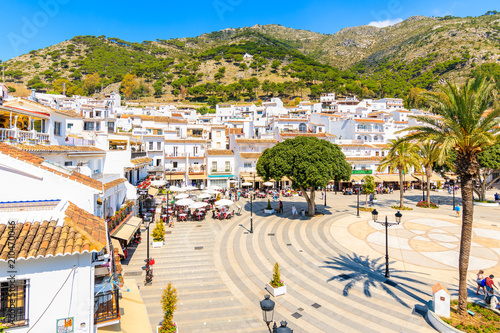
<point x="276" y="291"/>
<point x="268" y="211"/>
<point x="157" y="244"/>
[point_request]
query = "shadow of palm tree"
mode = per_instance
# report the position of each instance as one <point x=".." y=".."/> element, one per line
<point x="357" y="269"/>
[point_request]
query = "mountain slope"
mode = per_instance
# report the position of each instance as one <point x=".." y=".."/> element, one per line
<point x="365" y="61"/>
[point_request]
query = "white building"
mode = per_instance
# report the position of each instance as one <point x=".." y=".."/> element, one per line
<point x="221" y="168"/>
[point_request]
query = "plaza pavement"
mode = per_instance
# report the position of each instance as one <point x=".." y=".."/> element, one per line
<point x="333" y="266"/>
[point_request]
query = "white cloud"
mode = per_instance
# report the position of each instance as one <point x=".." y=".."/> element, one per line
<point x="385" y="23"/>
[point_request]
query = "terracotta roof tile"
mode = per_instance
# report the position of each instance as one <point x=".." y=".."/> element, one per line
<point x="113" y="183"/>
<point x="219" y="152"/>
<point x="200" y="141"/>
<point x="367" y="158"/>
<point x="293" y="135"/>
<point x="162" y="119"/>
<point x="34" y="239"/>
<point x="37" y="161"/>
<point x="369" y="120"/>
<point x="56" y="148"/>
<point x="141" y="160"/>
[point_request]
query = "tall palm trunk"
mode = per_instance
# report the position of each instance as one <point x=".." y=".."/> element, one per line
<point x="465" y="241"/>
<point x="428" y="174"/>
<point x="466" y="166"/>
<point x="401" y="189"/>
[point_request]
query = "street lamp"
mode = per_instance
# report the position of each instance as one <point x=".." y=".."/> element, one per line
<point x="267" y="307"/>
<point x="423" y="195"/>
<point x="251" y="204"/>
<point x="147" y="222"/>
<point x="452" y="183"/>
<point x="325" y="196"/>
<point x="387" y="224"/>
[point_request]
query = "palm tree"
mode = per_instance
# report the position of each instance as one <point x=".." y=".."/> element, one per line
<point x="463" y="124"/>
<point x="402" y="156"/>
<point x="429" y="155"/>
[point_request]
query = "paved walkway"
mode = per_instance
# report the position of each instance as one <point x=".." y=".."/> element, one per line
<point x="332" y="265"/>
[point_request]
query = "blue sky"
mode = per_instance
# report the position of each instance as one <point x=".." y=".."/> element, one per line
<point x="33" y="24"/>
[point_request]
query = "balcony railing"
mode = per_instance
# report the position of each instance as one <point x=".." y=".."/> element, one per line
<point x="16" y="135"/>
<point x="79" y="142"/>
<point x="136" y="154"/>
<point x="106" y="306"/>
<point x="223" y="170"/>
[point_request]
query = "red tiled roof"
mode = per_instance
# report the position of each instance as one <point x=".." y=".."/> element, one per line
<point x="219" y="152"/>
<point x="81" y="232"/>
<point x="250" y="155"/>
<point x="37" y="161"/>
<point x="141" y="160"/>
<point x="57" y="148"/>
<point x="256" y="141"/>
<point x="114" y="183"/>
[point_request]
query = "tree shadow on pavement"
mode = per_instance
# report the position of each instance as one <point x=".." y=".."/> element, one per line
<point x="361" y="270"/>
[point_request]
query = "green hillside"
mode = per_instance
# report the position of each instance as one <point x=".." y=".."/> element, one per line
<point x="363" y="61"/>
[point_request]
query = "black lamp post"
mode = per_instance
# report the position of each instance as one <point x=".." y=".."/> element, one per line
<point x="169" y="185"/>
<point x="251" y="204"/>
<point x="452" y="183"/>
<point x="357" y="214"/>
<point x="147" y="221"/>
<point x="423" y="194"/>
<point x="387" y="224"/>
<point x="325" y="196"/>
<point x="267" y="307"/>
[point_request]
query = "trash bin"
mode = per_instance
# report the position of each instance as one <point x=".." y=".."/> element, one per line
<point x="303" y="213"/>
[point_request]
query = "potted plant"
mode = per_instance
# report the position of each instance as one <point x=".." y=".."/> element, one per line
<point x="276" y="286"/>
<point x="158" y="234"/>
<point x="269" y="208"/>
<point x="169" y="305"/>
<point x="439" y="186"/>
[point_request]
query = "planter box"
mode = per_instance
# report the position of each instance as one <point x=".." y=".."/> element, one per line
<point x="437" y="323"/>
<point x="375" y="201"/>
<point x="276" y="291"/>
<point x="158" y="329"/>
<point x="157" y="244"/>
<point x="268" y="211"/>
<point x="486" y="204"/>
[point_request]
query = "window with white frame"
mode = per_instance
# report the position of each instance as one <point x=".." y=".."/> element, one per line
<point x="151" y="146"/>
<point x="158" y="146"/>
<point x="176" y="149"/>
<point x="195" y="150"/>
<point x="247" y="165"/>
<point x="14" y="302"/>
<point x="228" y="166"/>
<point x="214" y="165"/>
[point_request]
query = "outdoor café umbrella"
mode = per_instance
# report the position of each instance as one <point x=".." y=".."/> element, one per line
<point x="268" y="184"/>
<point x="211" y="192"/>
<point x="176" y="189"/>
<point x="204" y="196"/>
<point x="158" y="183"/>
<point x="190" y="188"/>
<point x="224" y="202"/>
<point x="246" y="184"/>
<point x="214" y="187"/>
<point x="184" y="202"/>
<point x="197" y="205"/>
<point x="181" y="196"/>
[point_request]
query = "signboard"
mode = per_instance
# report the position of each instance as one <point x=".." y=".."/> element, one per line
<point x="361" y="172"/>
<point x="65" y="325"/>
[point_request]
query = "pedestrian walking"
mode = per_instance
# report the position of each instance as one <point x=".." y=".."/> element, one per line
<point x="479" y="279"/>
<point x="294" y="210"/>
<point x="457" y="210"/>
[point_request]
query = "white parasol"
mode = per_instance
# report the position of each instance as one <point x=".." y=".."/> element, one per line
<point x="214" y="187"/>
<point x="182" y="196"/>
<point x="197" y="205"/>
<point x="184" y="202"/>
<point x="211" y="192"/>
<point x="246" y="184"/>
<point x="158" y="183"/>
<point x="268" y="184"/>
<point x="204" y="196"/>
<point x="176" y="189"/>
<point x="224" y="202"/>
<point x="190" y="188"/>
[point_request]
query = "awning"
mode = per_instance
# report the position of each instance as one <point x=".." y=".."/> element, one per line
<point x="117" y="246"/>
<point x="250" y="178"/>
<point x="434" y="178"/>
<point x="153" y="191"/>
<point x="387" y="178"/>
<point x="197" y="177"/>
<point x="127" y="229"/>
<point x="357" y="178"/>
<point x="175" y="177"/>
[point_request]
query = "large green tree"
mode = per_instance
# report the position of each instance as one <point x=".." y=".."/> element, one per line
<point x="307" y="161"/>
<point x="465" y="125"/>
<point x="402" y="156"/>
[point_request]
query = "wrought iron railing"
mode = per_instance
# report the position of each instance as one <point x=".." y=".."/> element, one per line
<point x="106" y="306"/>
